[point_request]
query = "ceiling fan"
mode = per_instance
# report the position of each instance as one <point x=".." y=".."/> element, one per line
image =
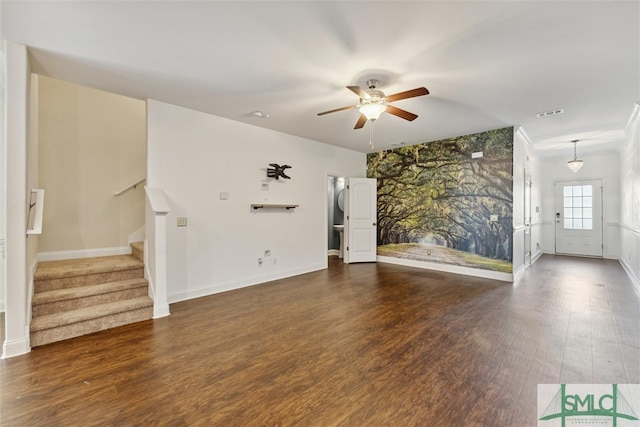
<point x="374" y="102"/>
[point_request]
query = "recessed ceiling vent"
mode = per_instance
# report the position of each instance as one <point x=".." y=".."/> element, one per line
<point x="550" y="113"/>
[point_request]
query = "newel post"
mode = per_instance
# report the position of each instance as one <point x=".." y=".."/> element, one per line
<point x="157" y="248"/>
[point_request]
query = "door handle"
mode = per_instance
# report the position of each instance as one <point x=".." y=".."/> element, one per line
<point x="374" y="224"/>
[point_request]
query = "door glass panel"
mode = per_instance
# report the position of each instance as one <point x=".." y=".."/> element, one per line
<point x="575" y="197"/>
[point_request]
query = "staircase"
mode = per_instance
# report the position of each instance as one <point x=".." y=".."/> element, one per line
<point x="81" y="296"/>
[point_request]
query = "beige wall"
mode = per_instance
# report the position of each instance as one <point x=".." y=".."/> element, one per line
<point x="91" y="144"/>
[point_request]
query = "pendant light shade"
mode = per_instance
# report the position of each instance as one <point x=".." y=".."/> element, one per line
<point x="574" y="164"/>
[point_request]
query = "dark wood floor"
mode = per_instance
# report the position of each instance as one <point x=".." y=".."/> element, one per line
<point x="358" y="345"/>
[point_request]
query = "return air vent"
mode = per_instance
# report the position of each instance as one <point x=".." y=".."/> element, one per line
<point x="550" y="113"/>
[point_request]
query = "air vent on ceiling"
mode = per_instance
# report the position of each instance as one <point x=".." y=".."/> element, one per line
<point x="550" y="113"/>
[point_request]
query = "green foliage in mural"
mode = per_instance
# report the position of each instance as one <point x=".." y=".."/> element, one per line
<point x="436" y="194"/>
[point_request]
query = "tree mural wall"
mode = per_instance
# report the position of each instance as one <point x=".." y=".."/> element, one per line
<point x="434" y="199"/>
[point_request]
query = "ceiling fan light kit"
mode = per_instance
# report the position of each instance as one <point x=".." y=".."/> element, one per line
<point x="372" y="111"/>
<point x="374" y="102"/>
<point x="575" y="164"/>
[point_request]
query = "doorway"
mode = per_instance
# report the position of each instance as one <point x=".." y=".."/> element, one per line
<point x="335" y="215"/>
<point x="351" y="218"/>
<point x="579" y="218"/>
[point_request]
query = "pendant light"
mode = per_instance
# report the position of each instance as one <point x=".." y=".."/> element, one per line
<point x="574" y="164"/>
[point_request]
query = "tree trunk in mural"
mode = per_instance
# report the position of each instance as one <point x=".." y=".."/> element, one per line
<point x="435" y="193"/>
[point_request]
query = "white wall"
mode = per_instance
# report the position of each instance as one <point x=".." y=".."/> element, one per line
<point x="630" y="199"/>
<point x="525" y="163"/>
<point x="91" y="144"/>
<point x="604" y="166"/>
<point x="194" y="157"/>
<point x="2" y="177"/>
<point x="17" y="104"/>
<point x="519" y="166"/>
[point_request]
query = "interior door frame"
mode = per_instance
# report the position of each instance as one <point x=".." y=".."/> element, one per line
<point x="528" y="250"/>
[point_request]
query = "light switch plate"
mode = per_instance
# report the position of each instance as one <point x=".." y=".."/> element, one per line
<point x="182" y="221"/>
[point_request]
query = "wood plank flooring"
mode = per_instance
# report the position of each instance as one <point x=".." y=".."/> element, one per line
<point x="356" y="345"/>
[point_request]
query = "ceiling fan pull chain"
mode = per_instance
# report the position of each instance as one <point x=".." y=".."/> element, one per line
<point x="371" y="134"/>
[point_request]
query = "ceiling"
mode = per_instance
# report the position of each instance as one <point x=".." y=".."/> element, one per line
<point x="487" y="64"/>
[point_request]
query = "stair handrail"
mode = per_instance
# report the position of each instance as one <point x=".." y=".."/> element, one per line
<point x="38" y="214"/>
<point x="130" y="186"/>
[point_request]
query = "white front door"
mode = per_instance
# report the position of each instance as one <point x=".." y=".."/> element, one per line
<point x="360" y="221"/>
<point x="579" y="218"/>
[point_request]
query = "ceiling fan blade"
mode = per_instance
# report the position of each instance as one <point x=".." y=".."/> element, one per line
<point x="361" y="121"/>
<point x="337" y="109"/>
<point x="401" y="113"/>
<point x="419" y="91"/>
<point x="359" y="91"/>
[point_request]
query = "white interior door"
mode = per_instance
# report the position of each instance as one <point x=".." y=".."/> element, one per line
<point x="360" y="221"/>
<point x="579" y="217"/>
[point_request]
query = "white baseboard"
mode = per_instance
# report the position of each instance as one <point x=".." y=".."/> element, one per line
<point x="517" y="275"/>
<point x="159" y="310"/>
<point x="241" y="283"/>
<point x="138" y="235"/>
<point x="634" y="279"/>
<point x="31" y="290"/>
<point x="333" y="252"/>
<point x="2" y="305"/>
<point x="15" y="347"/>
<point x="536" y="256"/>
<point x="448" y="268"/>
<point x="83" y="253"/>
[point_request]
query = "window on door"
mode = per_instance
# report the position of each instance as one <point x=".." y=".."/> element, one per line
<point x="578" y="207"/>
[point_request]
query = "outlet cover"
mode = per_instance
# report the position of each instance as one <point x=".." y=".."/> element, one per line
<point x="182" y="221"/>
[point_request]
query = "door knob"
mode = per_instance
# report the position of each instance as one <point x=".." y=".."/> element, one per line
<point x="374" y="224"/>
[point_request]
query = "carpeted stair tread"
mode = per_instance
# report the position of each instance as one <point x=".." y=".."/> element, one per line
<point x="48" y="270"/>
<point x="46" y="297"/>
<point x="137" y="250"/>
<point x="83" y="314"/>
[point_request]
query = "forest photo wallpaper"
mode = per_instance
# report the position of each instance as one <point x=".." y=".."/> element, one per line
<point x="439" y="202"/>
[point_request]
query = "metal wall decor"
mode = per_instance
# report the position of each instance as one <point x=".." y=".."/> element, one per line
<point x="277" y="171"/>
